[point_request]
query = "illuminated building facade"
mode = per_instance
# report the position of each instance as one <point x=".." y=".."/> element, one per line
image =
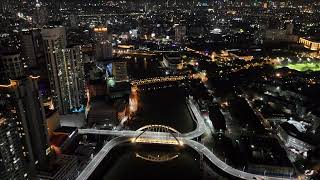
<point x="72" y="76"/>
<point x="102" y="34"/>
<point x="310" y="44"/>
<point x="21" y="102"/>
<point x="12" y="164"/>
<point x="118" y="80"/>
<point x="54" y="42"/>
<point x="172" y="61"/>
<point x="103" y="47"/>
<point x="65" y="68"/>
<point x="281" y="35"/>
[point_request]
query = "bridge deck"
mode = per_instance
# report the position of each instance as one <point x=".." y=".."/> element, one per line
<point x="127" y="136"/>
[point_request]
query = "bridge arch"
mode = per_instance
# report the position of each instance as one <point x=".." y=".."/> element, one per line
<point x="161" y="129"/>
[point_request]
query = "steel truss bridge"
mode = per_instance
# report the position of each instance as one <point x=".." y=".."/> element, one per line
<point x="157" y="80"/>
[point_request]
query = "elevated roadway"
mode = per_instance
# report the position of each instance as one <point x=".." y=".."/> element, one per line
<point x="186" y="139"/>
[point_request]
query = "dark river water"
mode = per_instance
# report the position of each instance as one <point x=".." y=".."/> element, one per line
<point x="160" y="106"/>
<point x="155" y="162"/>
<point x="165" y="107"/>
<point x="152" y="162"/>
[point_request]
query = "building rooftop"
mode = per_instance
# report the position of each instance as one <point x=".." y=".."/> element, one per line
<point x="313" y="139"/>
<point x="101" y="111"/>
<point x="2" y="120"/>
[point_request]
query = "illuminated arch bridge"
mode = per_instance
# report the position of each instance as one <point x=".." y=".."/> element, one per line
<point x="157" y="80"/>
<point x="167" y="135"/>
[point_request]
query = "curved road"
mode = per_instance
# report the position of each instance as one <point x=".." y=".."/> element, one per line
<point x="126" y="136"/>
<point x="200" y="129"/>
<point x="222" y="165"/>
<point x="85" y="174"/>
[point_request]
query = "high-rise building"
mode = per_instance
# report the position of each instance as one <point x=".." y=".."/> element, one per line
<point x="180" y="33"/>
<point x="103" y="43"/>
<point x="118" y="81"/>
<point x="40" y="15"/>
<point x="21" y="102"/>
<point x="65" y="70"/>
<point x="11" y="66"/>
<point x="32" y="47"/>
<point x="72" y="77"/>
<point x="103" y="50"/>
<point x="12" y="163"/>
<point x="102" y="34"/>
<point x="120" y="72"/>
<point x="74" y="21"/>
<point x="54" y="42"/>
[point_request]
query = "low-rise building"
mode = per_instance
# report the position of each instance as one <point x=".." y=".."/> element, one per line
<point x="172" y="61"/>
<point x="66" y="167"/>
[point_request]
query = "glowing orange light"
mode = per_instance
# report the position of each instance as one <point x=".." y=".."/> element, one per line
<point x="100" y="29"/>
<point x="56" y="149"/>
<point x="12" y="84"/>
<point x="35" y="77"/>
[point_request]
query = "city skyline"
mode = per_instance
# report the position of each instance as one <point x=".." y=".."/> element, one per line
<point x="140" y="89"/>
